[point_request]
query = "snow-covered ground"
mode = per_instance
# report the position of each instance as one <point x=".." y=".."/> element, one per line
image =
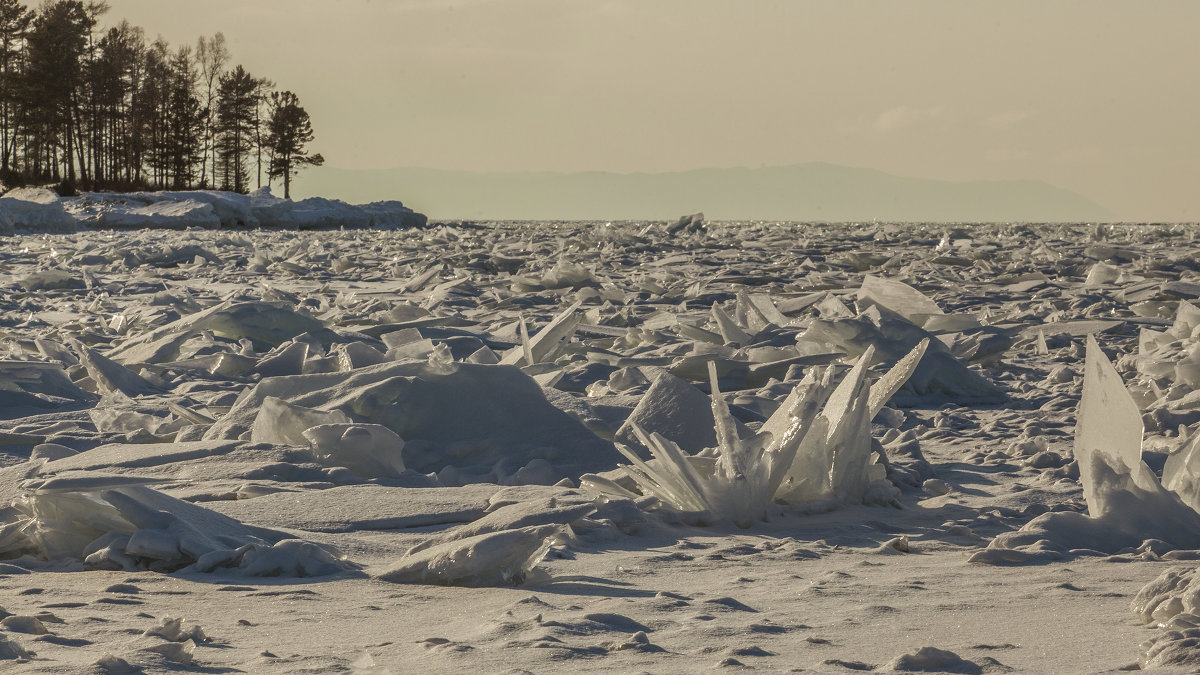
<point x="41" y="210"/>
<point x="622" y="447"/>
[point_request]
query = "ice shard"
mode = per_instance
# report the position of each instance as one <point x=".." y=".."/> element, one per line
<point x="815" y="447"/>
<point x="111" y="377"/>
<point x="1108" y="433"/>
<point x="278" y="421"/>
<point x="542" y="345"/>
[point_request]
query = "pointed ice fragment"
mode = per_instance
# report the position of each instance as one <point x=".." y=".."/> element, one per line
<point x="842" y="399"/>
<point x="748" y="314"/>
<point x="1108" y="431"/>
<point x="795" y="422"/>
<point x="763" y="303"/>
<point x="421" y="278"/>
<point x="287" y="361"/>
<point x="887" y="386"/>
<point x="111" y="376"/>
<point x="730" y="331"/>
<point x="543" y="344"/>
<point x="1187" y="318"/>
<point x="1181" y="474"/>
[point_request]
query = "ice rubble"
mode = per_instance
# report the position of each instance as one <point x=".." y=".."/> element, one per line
<point x="36" y="384"/>
<point x="1170" y="603"/>
<point x="939" y="375"/>
<point x="367" y="363"/>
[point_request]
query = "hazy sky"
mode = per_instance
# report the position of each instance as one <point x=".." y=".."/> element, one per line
<point x="1097" y="96"/>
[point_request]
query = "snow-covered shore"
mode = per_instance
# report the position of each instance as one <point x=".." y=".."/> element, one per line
<point x="41" y="210"/>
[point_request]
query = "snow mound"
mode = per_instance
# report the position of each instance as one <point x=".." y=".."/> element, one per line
<point x="932" y="660"/>
<point x="483" y="422"/>
<point x="161" y="214"/>
<point x="490" y="559"/>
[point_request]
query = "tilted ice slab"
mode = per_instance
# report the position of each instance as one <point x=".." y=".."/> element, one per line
<point x="939" y="376"/>
<point x="1127" y="504"/>
<point x="897" y="296"/>
<point x="36" y="384"/>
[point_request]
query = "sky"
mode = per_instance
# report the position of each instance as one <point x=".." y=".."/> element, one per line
<point x="1101" y="97"/>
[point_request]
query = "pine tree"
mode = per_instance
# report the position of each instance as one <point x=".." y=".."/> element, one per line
<point x="116" y="74"/>
<point x="56" y="46"/>
<point x="236" y="103"/>
<point x="289" y="131"/>
<point x="14" y="22"/>
<point x="185" y="121"/>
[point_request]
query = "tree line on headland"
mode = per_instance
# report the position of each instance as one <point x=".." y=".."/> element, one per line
<point x="95" y="109"/>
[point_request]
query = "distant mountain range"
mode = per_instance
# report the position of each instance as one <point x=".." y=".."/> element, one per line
<point x="802" y="192"/>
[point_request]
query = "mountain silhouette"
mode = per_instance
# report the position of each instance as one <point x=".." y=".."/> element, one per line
<point x="799" y="192"/>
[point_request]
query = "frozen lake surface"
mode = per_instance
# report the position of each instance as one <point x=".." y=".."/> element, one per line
<point x="497" y="446"/>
